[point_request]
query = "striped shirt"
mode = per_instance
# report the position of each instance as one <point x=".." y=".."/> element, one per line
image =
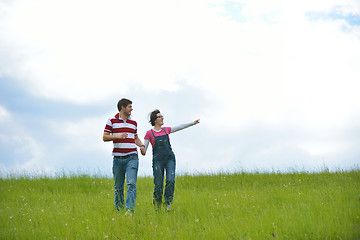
<point x="116" y="125"/>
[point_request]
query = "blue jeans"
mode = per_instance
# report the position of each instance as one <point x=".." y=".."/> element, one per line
<point x="125" y="167"/>
<point x="159" y="166"/>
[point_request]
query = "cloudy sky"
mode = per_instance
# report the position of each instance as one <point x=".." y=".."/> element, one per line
<point x="275" y="83"/>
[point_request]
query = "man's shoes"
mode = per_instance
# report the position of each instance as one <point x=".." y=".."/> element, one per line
<point x="129" y="212"/>
<point x="168" y="208"/>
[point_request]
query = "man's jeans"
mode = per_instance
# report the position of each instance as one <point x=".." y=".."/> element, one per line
<point x="128" y="167"/>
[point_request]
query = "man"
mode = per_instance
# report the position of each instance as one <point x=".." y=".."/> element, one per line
<point x="122" y="130"/>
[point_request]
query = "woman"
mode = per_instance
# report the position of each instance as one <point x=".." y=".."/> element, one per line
<point x="163" y="157"/>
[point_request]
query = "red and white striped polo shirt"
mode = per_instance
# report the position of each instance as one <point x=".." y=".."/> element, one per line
<point x="116" y="125"/>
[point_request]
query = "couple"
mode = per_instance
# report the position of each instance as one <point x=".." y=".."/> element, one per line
<point x="122" y="130"/>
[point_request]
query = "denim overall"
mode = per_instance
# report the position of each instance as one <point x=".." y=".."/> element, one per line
<point x="163" y="159"/>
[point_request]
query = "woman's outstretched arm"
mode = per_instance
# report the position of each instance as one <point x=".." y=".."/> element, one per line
<point x="183" y="126"/>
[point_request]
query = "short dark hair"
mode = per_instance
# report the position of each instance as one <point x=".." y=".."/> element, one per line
<point x="123" y="103"/>
<point x="153" y="116"/>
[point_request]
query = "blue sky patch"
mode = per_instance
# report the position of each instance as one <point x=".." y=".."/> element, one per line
<point x="20" y="102"/>
<point x="233" y="10"/>
<point x="352" y="20"/>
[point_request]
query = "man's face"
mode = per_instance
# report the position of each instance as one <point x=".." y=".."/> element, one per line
<point x="128" y="109"/>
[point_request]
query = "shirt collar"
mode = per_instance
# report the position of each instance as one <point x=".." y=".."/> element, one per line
<point x="117" y="116"/>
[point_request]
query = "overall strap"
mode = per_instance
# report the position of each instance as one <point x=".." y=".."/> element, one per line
<point x="152" y="133"/>
<point x="165" y="132"/>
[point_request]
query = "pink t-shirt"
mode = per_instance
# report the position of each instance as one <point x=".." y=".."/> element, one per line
<point x="149" y="136"/>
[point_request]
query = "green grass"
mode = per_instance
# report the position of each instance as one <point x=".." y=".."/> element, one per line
<point x="226" y="206"/>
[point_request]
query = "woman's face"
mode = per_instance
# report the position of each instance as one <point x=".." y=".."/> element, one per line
<point x="159" y="119"/>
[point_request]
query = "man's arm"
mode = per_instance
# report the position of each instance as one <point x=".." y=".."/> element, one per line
<point x="139" y="143"/>
<point x="107" y="137"/>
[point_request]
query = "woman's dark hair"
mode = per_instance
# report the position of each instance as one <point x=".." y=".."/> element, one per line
<point x="123" y="103"/>
<point x="153" y="116"/>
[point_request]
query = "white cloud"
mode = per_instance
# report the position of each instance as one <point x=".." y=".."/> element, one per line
<point x="4" y="115"/>
<point x="320" y="73"/>
<point x="22" y="152"/>
<point x="94" y="49"/>
<point x="276" y="68"/>
<point x="84" y="134"/>
<point x="101" y="49"/>
<point x="324" y="148"/>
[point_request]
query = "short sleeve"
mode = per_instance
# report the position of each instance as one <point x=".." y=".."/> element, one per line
<point x="108" y="126"/>
<point x="167" y="130"/>
<point x="148" y="135"/>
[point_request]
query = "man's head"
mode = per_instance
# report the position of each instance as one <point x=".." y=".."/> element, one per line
<point x="125" y="105"/>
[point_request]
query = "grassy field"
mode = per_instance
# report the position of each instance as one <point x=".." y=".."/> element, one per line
<point x="238" y="206"/>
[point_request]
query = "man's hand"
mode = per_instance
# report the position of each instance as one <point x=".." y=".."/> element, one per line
<point x="143" y="150"/>
<point x="121" y="135"/>
<point x="107" y="137"/>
